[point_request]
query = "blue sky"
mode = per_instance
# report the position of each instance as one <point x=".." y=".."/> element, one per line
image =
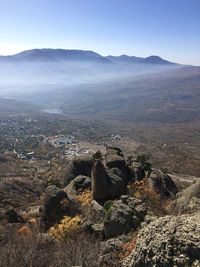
<point x="168" y="28"/>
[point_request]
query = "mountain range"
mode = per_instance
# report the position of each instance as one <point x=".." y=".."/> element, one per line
<point x="63" y="55"/>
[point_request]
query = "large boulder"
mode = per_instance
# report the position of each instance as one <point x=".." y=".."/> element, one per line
<point x="123" y="215"/>
<point x="115" y="160"/>
<point x="80" y="165"/>
<point x="105" y="187"/>
<point x="56" y="205"/>
<point x="187" y="201"/>
<point x="168" y="241"/>
<point x="115" y="217"/>
<point x="163" y="184"/>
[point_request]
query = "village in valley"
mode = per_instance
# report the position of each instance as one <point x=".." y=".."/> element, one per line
<point x="29" y="140"/>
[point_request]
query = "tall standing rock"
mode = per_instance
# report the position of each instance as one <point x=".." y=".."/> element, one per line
<point x="105" y="187"/>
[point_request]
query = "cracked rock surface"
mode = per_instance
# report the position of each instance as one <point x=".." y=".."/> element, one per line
<point x="168" y="241"/>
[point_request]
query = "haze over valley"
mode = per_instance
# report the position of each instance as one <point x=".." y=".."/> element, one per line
<point x="144" y="98"/>
<point x="99" y="133"/>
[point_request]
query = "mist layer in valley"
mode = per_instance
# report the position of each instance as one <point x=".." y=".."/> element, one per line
<point x="41" y="70"/>
<point x="150" y="100"/>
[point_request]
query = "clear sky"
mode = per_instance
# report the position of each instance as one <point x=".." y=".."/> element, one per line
<point x="168" y="28"/>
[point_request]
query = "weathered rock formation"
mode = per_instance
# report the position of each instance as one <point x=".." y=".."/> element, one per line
<point x="81" y="165"/>
<point x="168" y="241"/>
<point x="123" y="215"/>
<point x="56" y="205"/>
<point x="115" y="160"/>
<point x="187" y="201"/>
<point x="78" y="185"/>
<point x="116" y="217"/>
<point x="163" y="184"/>
<point x="105" y="186"/>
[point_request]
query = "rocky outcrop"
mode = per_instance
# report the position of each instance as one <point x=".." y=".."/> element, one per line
<point x="104" y="186"/>
<point x="123" y="215"/>
<point x="187" y="201"/>
<point x="56" y="205"/>
<point x="168" y="241"/>
<point x="78" y="185"/>
<point x="115" y="160"/>
<point x="115" y="218"/>
<point x="81" y="165"/>
<point x="163" y="184"/>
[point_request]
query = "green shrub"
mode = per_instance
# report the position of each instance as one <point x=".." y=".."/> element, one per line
<point x="108" y="209"/>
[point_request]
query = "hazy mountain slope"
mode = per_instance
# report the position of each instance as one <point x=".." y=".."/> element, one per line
<point x="38" y="67"/>
<point x="173" y="96"/>
<point x="56" y="55"/>
<point x="124" y="59"/>
<point x="16" y="106"/>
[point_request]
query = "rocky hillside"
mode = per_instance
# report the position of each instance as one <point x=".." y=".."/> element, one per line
<point x="106" y="210"/>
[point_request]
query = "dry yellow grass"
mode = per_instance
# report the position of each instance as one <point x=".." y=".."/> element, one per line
<point x="67" y="227"/>
<point x="85" y="198"/>
<point x="70" y="226"/>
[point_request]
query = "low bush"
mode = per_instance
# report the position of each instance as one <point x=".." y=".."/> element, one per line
<point x="40" y="250"/>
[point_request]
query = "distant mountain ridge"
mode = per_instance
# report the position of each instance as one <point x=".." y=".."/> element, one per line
<point x="124" y="59"/>
<point x="57" y="55"/>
